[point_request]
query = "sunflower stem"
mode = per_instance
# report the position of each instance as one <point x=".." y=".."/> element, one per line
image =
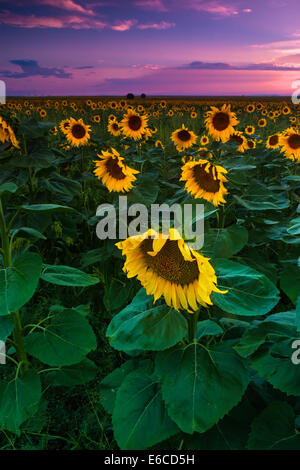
<point x="192" y="320"/>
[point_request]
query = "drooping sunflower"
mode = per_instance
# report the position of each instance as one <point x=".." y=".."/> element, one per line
<point x="289" y="140"/>
<point x="205" y="180"/>
<point x="133" y="124"/>
<point x="183" y="138"/>
<point x="113" y="172"/>
<point x="238" y="138"/>
<point x="78" y="132"/>
<point x="114" y="128"/>
<point x="220" y="122"/>
<point x="64" y="126"/>
<point x="159" y="144"/>
<point x="167" y="267"/>
<point x="273" y="141"/>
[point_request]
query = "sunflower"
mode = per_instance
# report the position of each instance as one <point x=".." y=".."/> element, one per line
<point x="114" y="128"/>
<point x="78" y="133"/>
<point x="193" y="115"/>
<point x="289" y="140"/>
<point x="238" y="138"/>
<point x="43" y="113"/>
<point x="273" y="141"/>
<point x="167" y="267"/>
<point x="96" y="118"/>
<point x="251" y="144"/>
<point x="204" y="140"/>
<point x="262" y="122"/>
<point x="133" y="124"/>
<point x="250" y="130"/>
<point x="205" y="180"/>
<point x="250" y="108"/>
<point x="159" y="144"/>
<point x="220" y="122"/>
<point x="113" y="173"/>
<point x="183" y="138"/>
<point x="64" y="126"/>
<point x="286" y="110"/>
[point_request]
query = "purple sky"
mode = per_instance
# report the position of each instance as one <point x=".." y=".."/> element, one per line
<point x="169" y="47"/>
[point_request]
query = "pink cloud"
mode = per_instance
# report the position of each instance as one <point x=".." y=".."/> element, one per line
<point x="33" y="21"/>
<point x="156" y="5"/>
<point x="214" y="7"/>
<point x="68" y="5"/>
<point x="160" y="26"/>
<point x="124" y="25"/>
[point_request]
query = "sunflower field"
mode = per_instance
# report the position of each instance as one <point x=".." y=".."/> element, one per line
<point x="144" y="342"/>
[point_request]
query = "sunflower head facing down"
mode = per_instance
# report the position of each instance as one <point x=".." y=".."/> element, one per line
<point x="220" y="122"/>
<point x="133" y="124"/>
<point x="167" y="267"/>
<point x="113" y="172"/>
<point x="273" y="141"/>
<point x="183" y="138"/>
<point x="78" y="133"/>
<point x="238" y="138"/>
<point x="204" y="180"/>
<point x="289" y="140"/>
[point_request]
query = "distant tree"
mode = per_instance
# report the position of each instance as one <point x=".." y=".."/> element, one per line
<point x="130" y="96"/>
<point x="143" y="96"/>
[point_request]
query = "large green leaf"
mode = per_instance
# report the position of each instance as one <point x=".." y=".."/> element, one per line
<point x="67" y="276"/>
<point x="66" y="340"/>
<point x="290" y="282"/>
<point x="64" y="188"/>
<point x="274" y="429"/>
<point x="249" y="293"/>
<point x="47" y="208"/>
<point x="143" y="326"/>
<point x="6" y="327"/>
<point x="260" y="197"/>
<point x="19" y="282"/>
<point x="19" y="400"/>
<point x="201" y="385"/>
<point x="224" y="242"/>
<point x="76" y="374"/>
<point x="140" y="418"/>
<point x="112" y="382"/>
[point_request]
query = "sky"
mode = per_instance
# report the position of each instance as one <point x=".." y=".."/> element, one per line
<point x="157" y="47"/>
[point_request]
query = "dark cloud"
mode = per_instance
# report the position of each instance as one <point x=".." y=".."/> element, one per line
<point x="31" y="68"/>
<point x="84" y="67"/>
<point x="198" y="65"/>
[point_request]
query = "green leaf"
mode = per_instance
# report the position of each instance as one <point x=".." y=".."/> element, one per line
<point x="208" y="328"/>
<point x="200" y="385"/>
<point x="112" y="382"/>
<point x="295" y="227"/>
<point x="8" y="188"/>
<point x="142" y="326"/>
<point x="6" y="327"/>
<point x="290" y="282"/>
<point x="140" y="418"/>
<point x="67" y="276"/>
<point x="46" y="208"/>
<point x="274" y="429"/>
<point x="260" y="197"/>
<point x="249" y="293"/>
<point x="224" y="242"/>
<point x="28" y="232"/>
<point x="65" y="341"/>
<point x="19" y="282"/>
<point x="64" y="188"/>
<point x="19" y="400"/>
<point x="76" y="374"/>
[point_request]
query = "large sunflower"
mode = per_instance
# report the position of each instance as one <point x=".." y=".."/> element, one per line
<point x="167" y="267"/>
<point x="204" y="180"/>
<point x="220" y="122"/>
<point x="113" y="173"/>
<point x="183" y="138"/>
<point x="133" y="124"/>
<point x="78" y="132"/>
<point x="289" y="140"/>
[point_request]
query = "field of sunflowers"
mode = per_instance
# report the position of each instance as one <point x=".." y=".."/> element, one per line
<point x="144" y="342"/>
